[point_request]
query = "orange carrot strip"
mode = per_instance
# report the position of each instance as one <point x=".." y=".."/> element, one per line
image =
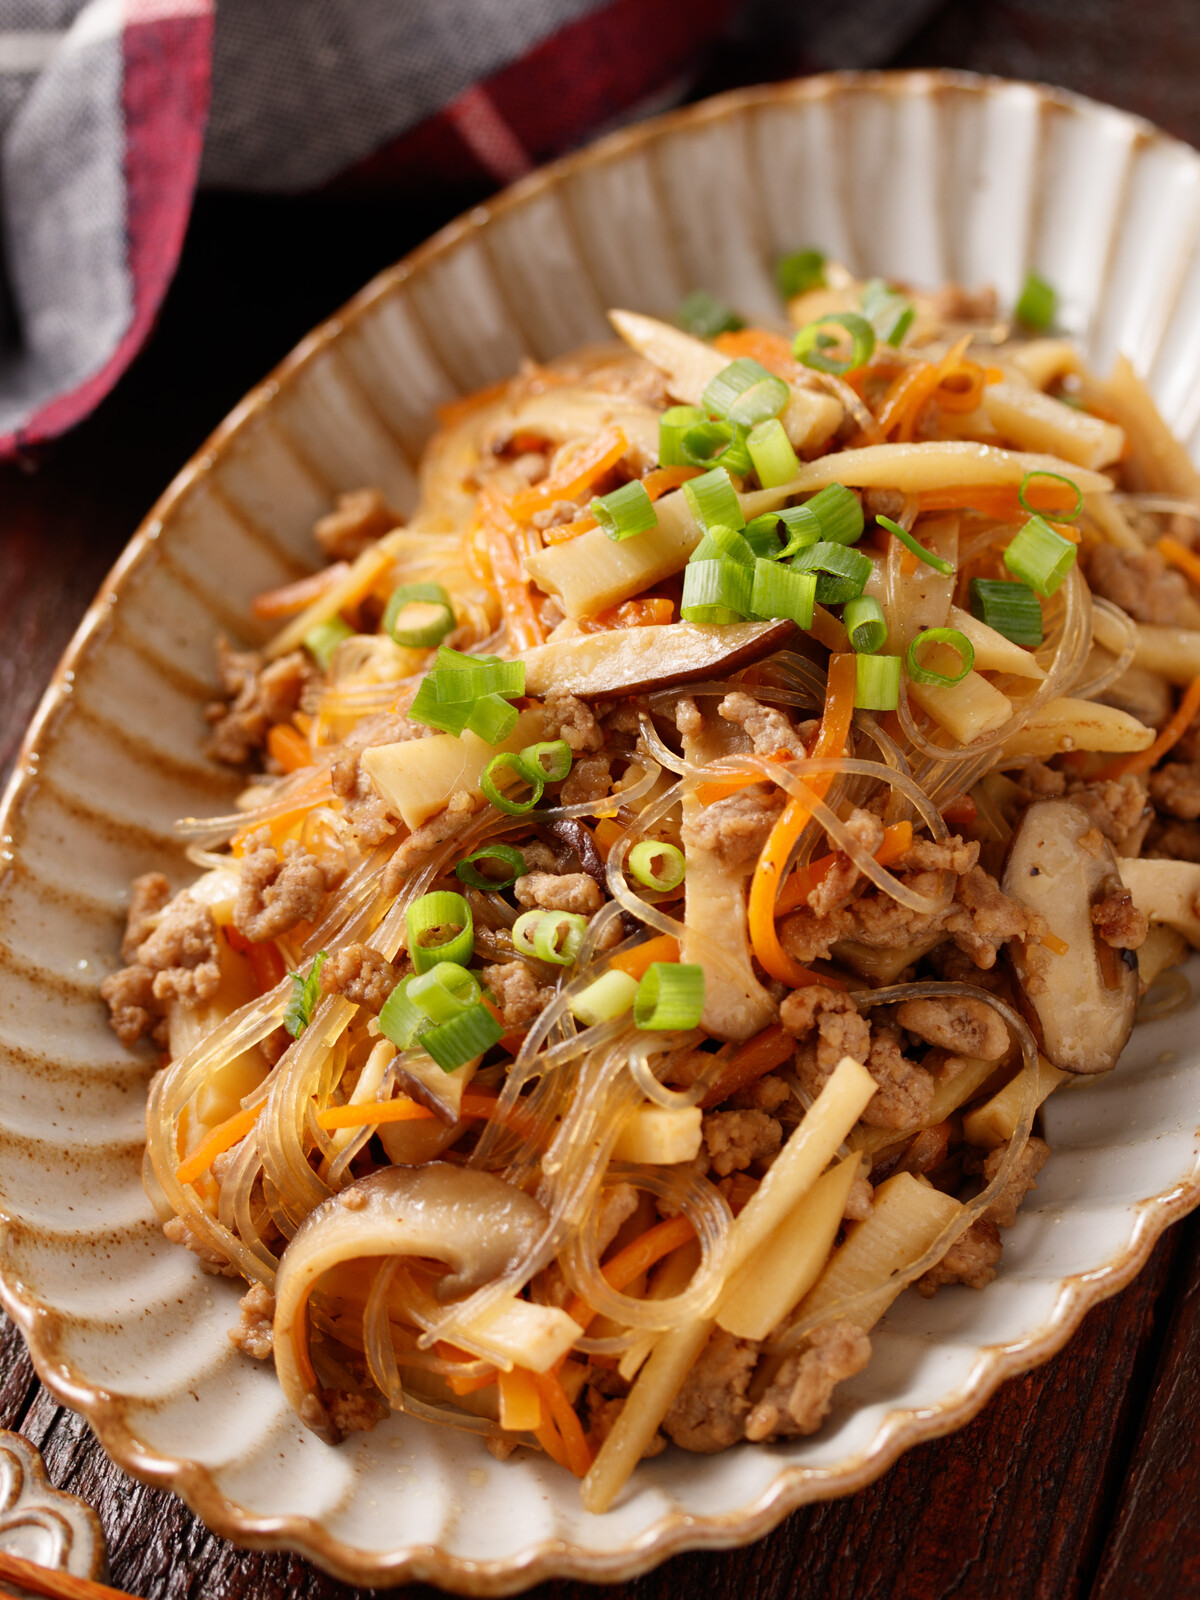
<point x="999" y="500"/>
<point x="511" y="1040"/>
<point x="969" y="396"/>
<point x="1143" y="760"/>
<point x="1054" y="944"/>
<point x="548" y="1437"/>
<point x="637" y="1258"/>
<point x="719" y="788"/>
<point x="292" y="597"/>
<point x="451" y="412"/>
<point x="600" y="457"/>
<point x="289" y="747"/>
<point x="267" y="965"/>
<point x="608" y="831"/>
<point x="896" y="840"/>
<point x="764" y="886"/>
<point x="512" y="591"/>
<point x="1180" y="556"/>
<point x="554" y="1399"/>
<point x="223" y="1137"/>
<point x="960" y="813"/>
<point x="635" y="962"/>
<point x="647" y="613"/>
<point x="911" y="387"/>
<point x="566" y="531"/>
<point x="485" y="1380"/>
<point x="663" y="479"/>
<point x="520" y="1401"/>
<point x="474" y="1104"/>
<point x="770" y="350"/>
<point x="758" y="1056"/>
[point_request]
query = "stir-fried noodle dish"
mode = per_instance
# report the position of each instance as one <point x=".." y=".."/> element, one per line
<point x="674" y="866"/>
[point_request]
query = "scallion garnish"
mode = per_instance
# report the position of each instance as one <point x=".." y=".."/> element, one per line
<point x="717" y="591"/>
<point x="672" y="426"/>
<point x="799" y="272"/>
<point x="549" y="761"/>
<point x="721" y="543"/>
<point x="811" y="343"/>
<point x="888" y="312"/>
<point x="839" y="514"/>
<point x="843" y="572"/>
<point x="702" y="314"/>
<point x="1040" y="557"/>
<point x="468" y="692"/>
<point x="452" y="1044"/>
<point x="523" y="930"/>
<point x="305" y="994"/>
<point x="946" y="568"/>
<point x="323" y="640"/>
<point x="1036" y="304"/>
<point x="605" y="1000"/>
<point x="463" y="677"/>
<point x="657" y="865"/>
<point x="440" y="928"/>
<point x="956" y="641"/>
<point x="745" y="393"/>
<point x="864" y="621"/>
<point x="445" y="991"/>
<point x="508" y="855"/>
<point x="1010" y="608"/>
<point x="771" y="453"/>
<point x="761" y="536"/>
<point x="717" y="440"/>
<point x="877" y="684"/>
<point x="800" y="529"/>
<point x="490" y="789"/>
<point x="419" y="630"/>
<point x="781" y="591"/>
<point x="557" y="937"/>
<point x="493" y="719"/>
<point x="1055" y="477"/>
<point x="625" y="512"/>
<point x="400" y="1020"/>
<point x="670" y="996"/>
<point x="712" y="499"/>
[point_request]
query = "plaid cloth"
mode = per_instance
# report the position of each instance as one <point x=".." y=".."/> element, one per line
<point x="111" y="112"/>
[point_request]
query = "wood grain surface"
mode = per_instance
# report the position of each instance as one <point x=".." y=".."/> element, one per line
<point x="1079" y="1479"/>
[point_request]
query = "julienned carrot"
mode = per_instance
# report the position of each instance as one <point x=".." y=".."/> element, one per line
<point x="554" y="1400"/>
<point x="292" y="597"/>
<point x="764" y="886"/>
<point x="566" y="531"/>
<point x="635" y="1259"/>
<point x="720" y="788"/>
<point x="758" y="1056"/>
<point x="289" y="747"/>
<point x="1143" y="760"/>
<point x="547" y="1435"/>
<point x="402" y="1109"/>
<point x="520" y="1401"/>
<point x="646" y="613"/>
<point x="512" y="1039"/>
<point x="579" y="474"/>
<point x="896" y="840"/>
<point x="608" y="831"/>
<point x="511" y="587"/>
<point x="223" y="1137"/>
<point x="267" y="965"/>
<point x="1180" y="556"/>
<point x="770" y="350"/>
<point x="634" y="963"/>
<point x="908" y="394"/>
<point x="999" y="500"/>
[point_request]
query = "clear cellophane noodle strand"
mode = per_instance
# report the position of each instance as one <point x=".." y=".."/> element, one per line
<point x="972" y="1209"/>
<point x="673" y="1048"/>
<point x="1169" y="992"/>
<point x="1115" y="632"/>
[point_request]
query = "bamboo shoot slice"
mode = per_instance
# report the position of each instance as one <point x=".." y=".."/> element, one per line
<point x="993" y="652"/>
<point x="1166" y="891"/>
<point x="659" y="1136"/>
<point x="418" y="776"/>
<point x="967" y="710"/>
<point x="1067" y="724"/>
<point x="1174" y="653"/>
<point x="994" y="1123"/>
<point x="1036" y="421"/>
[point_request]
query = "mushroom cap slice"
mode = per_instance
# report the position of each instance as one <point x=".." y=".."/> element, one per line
<point x="1082" y="1006"/>
<point x="628" y="660"/>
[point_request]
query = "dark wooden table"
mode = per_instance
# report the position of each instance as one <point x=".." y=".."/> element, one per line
<point x="1077" y="1480"/>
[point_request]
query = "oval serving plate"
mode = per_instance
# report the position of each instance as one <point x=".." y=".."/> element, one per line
<point x="923" y="177"/>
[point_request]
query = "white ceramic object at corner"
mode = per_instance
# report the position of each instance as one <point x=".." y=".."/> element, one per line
<point x="922" y="177"/>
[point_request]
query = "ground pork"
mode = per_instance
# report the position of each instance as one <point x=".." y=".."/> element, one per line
<point x="360" y="974"/>
<point x="1003" y="1209"/>
<point x="835" y="888"/>
<point x="800" y="1395"/>
<point x="905" y="1091"/>
<point x="572" y="891"/>
<point x="570" y="719"/>
<point x="949" y="962"/>
<point x="420" y="845"/>
<point x="859" y="1201"/>
<point x="150" y="894"/>
<point x="1116" y="807"/>
<point x="257" y="694"/>
<point x="175" y="959"/>
<point x="1175" y="789"/>
<point x="252" y="1333"/>
<point x="1141" y="583"/>
<point x="353" y="1413"/>
<point x="840" y="1031"/>
<point x="939" y="855"/>
<point x="275" y="894"/>
<point x="767" y="1094"/>
<point x="736" y="1139"/>
<point x="953" y="303"/>
<point x="735" y="829"/>
<point x="517" y="992"/>
<point x="971" y="1260"/>
<point x="1117" y="920"/>
<point x="688" y="717"/>
<point x="708" y="1413"/>
<point x="769" y="730"/>
<point x="590" y="778"/>
<point x="364" y="809"/>
<point x="1176" y="841"/>
<point x="211" y="1261"/>
<point x="964" y="1027"/>
<point x="358" y="519"/>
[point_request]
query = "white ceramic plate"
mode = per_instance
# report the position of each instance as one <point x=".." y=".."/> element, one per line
<point x="923" y="177"/>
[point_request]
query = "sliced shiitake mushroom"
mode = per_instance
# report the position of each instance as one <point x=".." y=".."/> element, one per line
<point x="626" y="660"/>
<point x="1082" y="1006"/>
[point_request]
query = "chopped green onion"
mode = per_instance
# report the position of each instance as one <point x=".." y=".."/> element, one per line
<point x="445" y="991"/>
<point x="523" y="930"/>
<point x="844" y="572"/>
<point x="460" y="1040"/>
<point x="712" y="499"/>
<point x="799" y="272"/>
<point x="672" y="426"/>
<point x="877" y="685"/>
<point x="702" y="314"/>
<point x="721" y="542"/>
<point x="428" y="709"/>
<point x="508" y="854"/>
<point x="771" y="452"/>
<point x="493" y="719"/>
<point x="400" y="1020"/>
<point x="812" y="341"/>
<point x="657" y="865"/>
<point x="946" y="568"/>
<point x="1010" y="608"/>
<point x="1036" y="304"/>
<point x="721" y="441"/>
<point x="605" y="1000"/>
<point x="762" y="538"/>
<point x="549" y="761"/>
<point x="462" y="677"/>
<point x="441" y="910"/>
<point x="305" y="994"/>
<point x="1058" y="477"/>
<point x="888" y="312"/>
<point x="625" y="512"/>
<point x="781" y="591"/>
<point x="947" y="636"/>
<point x="863" y="620"/>
<point x="839" y="514"/>
<point x="558" y="935"/>
<point x="800" y="529"/>
<point x="491" y="792"/>
<point x="716" y="591"/>
<point x="323" y="640"/>
<point x="418" y="635"/>
<point x="745" y="393"/>
<point x="670" y="996"/>
<point x="1040" y="557"/>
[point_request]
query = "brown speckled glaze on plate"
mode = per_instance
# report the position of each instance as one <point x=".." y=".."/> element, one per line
<point x="924" y="177"/>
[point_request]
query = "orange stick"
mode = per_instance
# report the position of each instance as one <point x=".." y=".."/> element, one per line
<point x="1180" y="556"/>
<point x="223" y="1137"/>
<point x="896" y="840"/>
<point x="512" y="591"/>
<point x="645" y="613"/>
<point x="289" y="747"/>
<point x="758" y="1056"/>
<point x="402" y="1109"/>
<point x="600" y="457"/>
<point x="999" y="500"/>
<point x="635" y="1259"/>
<point x="637" y="961"/>
<point x="554" y="1400"/>
<point x="266" y="964"/>
<point x="521" y="1409"/>
<point x="1143" y="760"/>
<point x="720" y="788"/>
<point x="548" y="1437"/>
<point x="292" y="597"/>
<point x="770" y="350"/>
